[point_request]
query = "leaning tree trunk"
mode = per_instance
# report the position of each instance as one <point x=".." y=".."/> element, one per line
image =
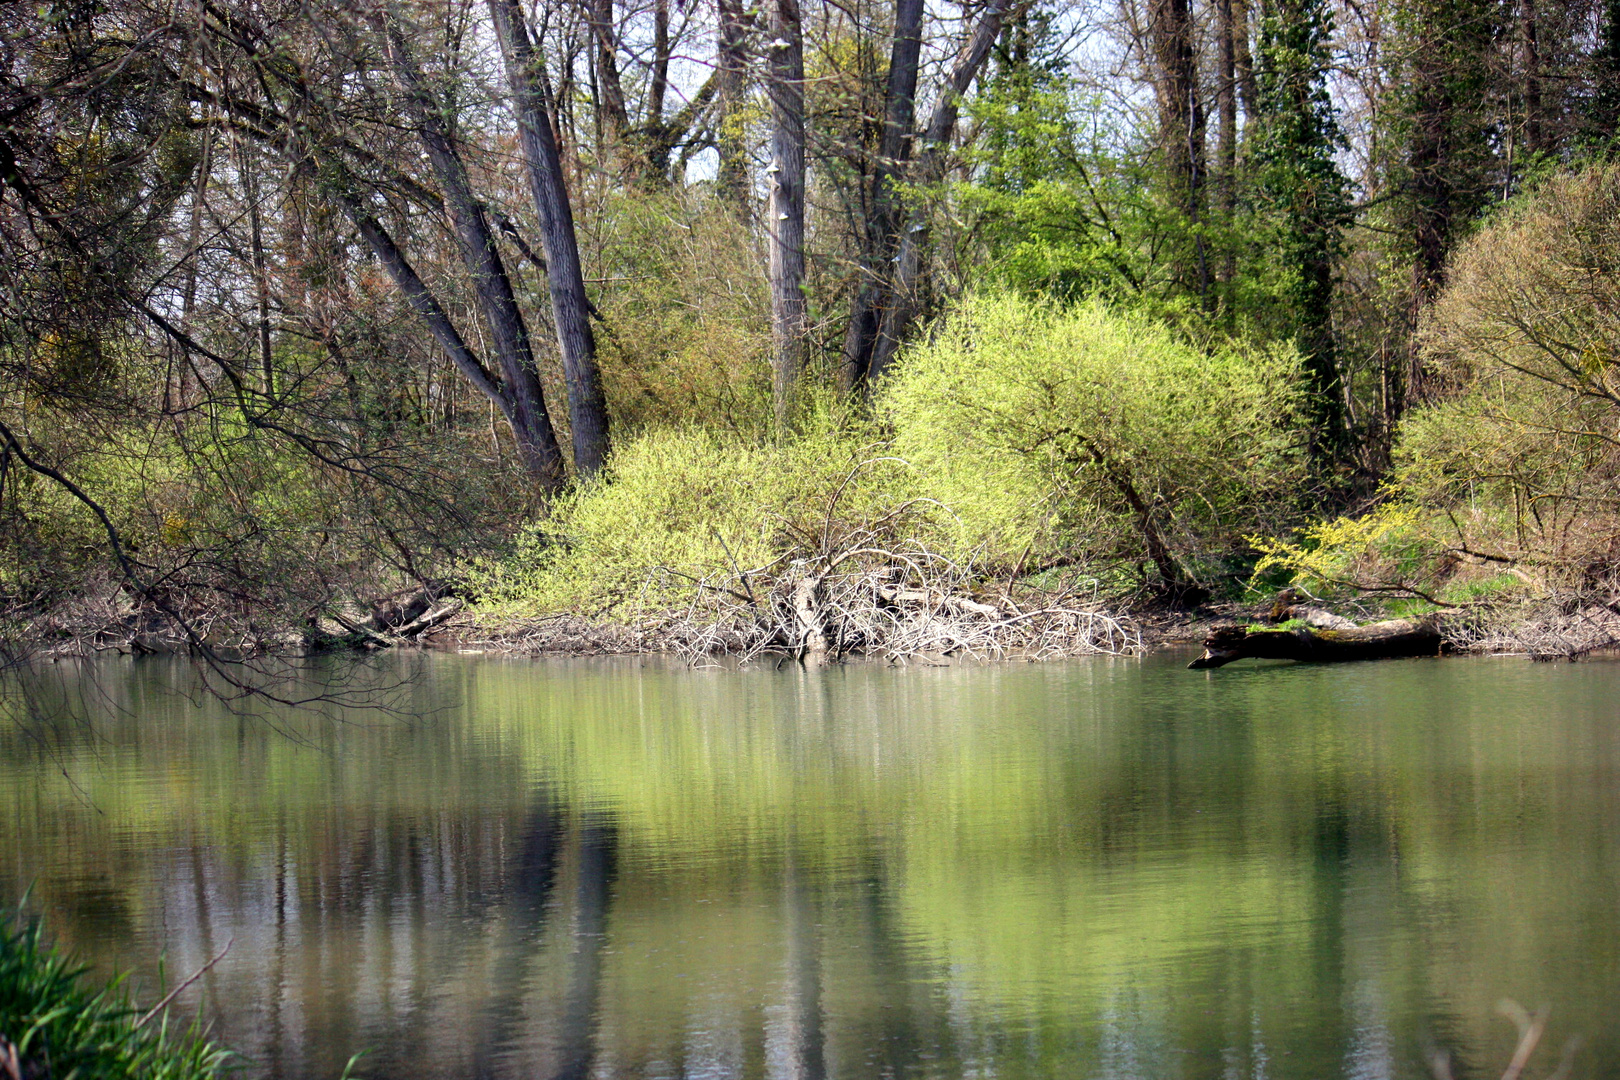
<point x="570" y="308"/>
<point x="785" y="217"/>
<point x="537" y="441"/>
<point x="1376" y="641"/>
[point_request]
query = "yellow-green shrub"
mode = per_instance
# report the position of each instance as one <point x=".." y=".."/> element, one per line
<point x="687" y="504"/>
<point x="1522" y="455"/>
<point x="1081" y="433"/>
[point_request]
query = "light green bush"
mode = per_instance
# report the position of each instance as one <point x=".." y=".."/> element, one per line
<point x="688" y="505"/>
<point x="1522" y="454"/>
<point x="1087" y="434"/>
<point x="686" y="337"/>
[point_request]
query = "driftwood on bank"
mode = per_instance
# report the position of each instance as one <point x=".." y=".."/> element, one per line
<point x="1375" y="641"/>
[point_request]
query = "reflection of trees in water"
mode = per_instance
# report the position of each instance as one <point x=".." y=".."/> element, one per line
<point x="814" y="883"/>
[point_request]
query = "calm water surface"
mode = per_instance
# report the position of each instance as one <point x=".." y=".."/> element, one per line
<point x="1092" y="869"/>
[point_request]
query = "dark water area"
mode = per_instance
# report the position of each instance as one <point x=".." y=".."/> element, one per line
<point x="1098" y="868"/>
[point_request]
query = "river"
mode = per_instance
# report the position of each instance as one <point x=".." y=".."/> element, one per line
<point x="1094" y="868"/>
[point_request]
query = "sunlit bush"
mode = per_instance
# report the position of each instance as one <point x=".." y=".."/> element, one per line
<point x="1083" y="434"/>
<point x="1523" y="453"/>
<point x="687" y="508"/>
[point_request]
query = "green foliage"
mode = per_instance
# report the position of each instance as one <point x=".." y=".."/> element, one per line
<point x="687" y="334"/>
<point x="688" y="505"/>
<point x="63" y="1027"/>
<point x="1523" y="454"/>
<point x="1388" y="544"/>
<point x="1081" y="434"/>
<point x="1299" y="186"/>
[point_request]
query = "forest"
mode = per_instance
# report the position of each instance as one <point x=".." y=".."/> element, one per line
<point x="1002" y="327"/>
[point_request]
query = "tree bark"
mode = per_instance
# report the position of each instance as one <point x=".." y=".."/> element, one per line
<point x="1181" y="115"/>
<point x="904" y="302"/>
<point x="1528" y="39"/>
<point x="610" y="89"/>
<point x="883" y="221"/>
<point x="1226" y="132"/>
<point x="1377" y="641"/>
<point x="785" y="214"/>
<point x="1243" y="59"/>
<point x="570" y="308"/>
<point x="1431" y="207"/>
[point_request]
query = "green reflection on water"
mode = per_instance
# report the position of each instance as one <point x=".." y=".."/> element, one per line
<point x="1098" y="868"/>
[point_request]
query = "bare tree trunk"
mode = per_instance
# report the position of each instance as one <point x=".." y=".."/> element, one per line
<point x="428" y="308"/>
<point x="1243" y="59"/>
<point x="1181" y="115"/>
<point x="915" y="237"/>
<point x="570" y="308"/>
<point x="537" y="441"/>
<point x="615" y="119"/>
<point x="1226" y="134"/>
<point x="1533" y="135"/>
<point x="659" y="86"/>
<point x="732" y="69"/>
<point x="249" y="166"/>
<point x="882" y="226"/>
<point x="785" y="213"/>
<point x="1431" y="196"/>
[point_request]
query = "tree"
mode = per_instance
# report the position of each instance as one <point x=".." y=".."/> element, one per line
<point x="784" y="218"/>
<point x="570" y="307"/>
<point x="1177" y="86"/>
<point x="1296" y="141"/>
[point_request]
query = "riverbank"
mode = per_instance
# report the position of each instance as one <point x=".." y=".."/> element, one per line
<point x="802" y="616"/>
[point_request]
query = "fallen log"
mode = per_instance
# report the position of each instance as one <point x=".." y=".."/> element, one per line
<point x="1375" y="641"/>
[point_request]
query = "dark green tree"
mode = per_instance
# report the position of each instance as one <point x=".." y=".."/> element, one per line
<point x="1302" y="191"/>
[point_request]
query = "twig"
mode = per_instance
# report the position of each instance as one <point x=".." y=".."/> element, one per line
<point x="170" y="996"/>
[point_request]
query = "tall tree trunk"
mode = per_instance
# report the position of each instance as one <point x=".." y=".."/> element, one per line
<point x="785" y="215"/>
<point x="537" y="441"/>
<point x="1243" y="59"/>
<point x="1226" y="98"/>
<point x="610" y="89"/>
<point x="570" y="308"/>
<point x="1534" y="137"/>
<point x="1181" y="119"/>
<point x="248" y="164"/>
<point x="903" y="303"/>
<point x="1431" y="210"/>
<point x="658" y="87"/>
<point x="883" y="222"/>
<point x="732" y="70"/>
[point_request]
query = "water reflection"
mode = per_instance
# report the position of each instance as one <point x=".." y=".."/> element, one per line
<point x="1111" y="869"/>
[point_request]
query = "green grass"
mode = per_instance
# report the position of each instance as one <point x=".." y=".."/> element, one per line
<point x="63" y="1026"/>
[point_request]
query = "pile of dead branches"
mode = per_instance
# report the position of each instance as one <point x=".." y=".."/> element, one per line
<point x="897" y="606"/>
<point x="1565" y="626"/>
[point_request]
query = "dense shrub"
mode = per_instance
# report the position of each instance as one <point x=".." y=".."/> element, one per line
<point x="1025" y="437"/>
<point x="689" y="505"/>
<point x="1523" y="453"/>
<point x="1089" y="435"/>
<point x="686" y="331"/>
